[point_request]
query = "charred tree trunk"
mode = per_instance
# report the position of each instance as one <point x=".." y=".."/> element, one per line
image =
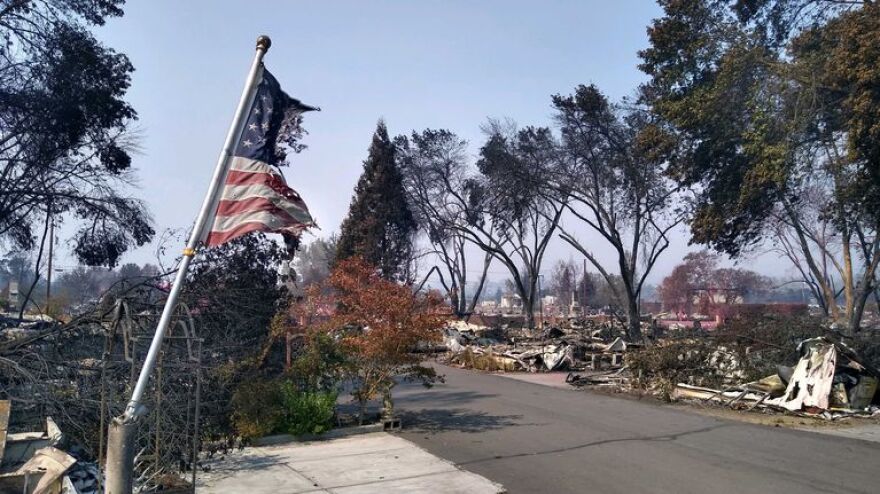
<point x="855" y="321"/>
<point x="633" y="320"/>
<point x="476" y="297"/>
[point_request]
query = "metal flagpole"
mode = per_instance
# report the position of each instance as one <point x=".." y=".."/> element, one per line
<point x="121" y="433"/>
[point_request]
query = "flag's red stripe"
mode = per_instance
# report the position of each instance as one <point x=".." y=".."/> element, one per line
<point x="255" y="178"/>
<point x="238" y="177"/>
<point x="217" y="238"/>
<point x="252" y="205"/>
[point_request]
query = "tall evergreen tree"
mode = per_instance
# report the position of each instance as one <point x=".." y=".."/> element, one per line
<point x="380" y="225"/>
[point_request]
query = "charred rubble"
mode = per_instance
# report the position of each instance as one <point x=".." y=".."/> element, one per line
<point x="787" y="366"/>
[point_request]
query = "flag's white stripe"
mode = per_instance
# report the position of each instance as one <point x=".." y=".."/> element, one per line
<point x="226" y="223"/>
<point x="249" y="165"/>
<point x="242" y="192"/>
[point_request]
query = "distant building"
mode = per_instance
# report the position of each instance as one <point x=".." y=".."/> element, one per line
<point x="487" y="307"/>
<point x="717" y="296"/>
<point x="511" y="303"/>
<point x="13" y="295"/>
<point x="574" y="308"/>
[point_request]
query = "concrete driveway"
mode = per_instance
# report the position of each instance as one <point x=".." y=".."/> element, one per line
<point x="376" y="463"/>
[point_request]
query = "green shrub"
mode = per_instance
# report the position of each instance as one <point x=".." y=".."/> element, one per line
<point x="307" y="412"/>
<point x="321" y="364"/>
<point x="257" y="408"/>
<point x="263" y="407"/>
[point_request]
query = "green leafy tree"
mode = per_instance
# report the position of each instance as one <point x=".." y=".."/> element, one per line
<point x="764" y="105"/>
<point x="312" y="262"/>
<point x="380" y="225"/>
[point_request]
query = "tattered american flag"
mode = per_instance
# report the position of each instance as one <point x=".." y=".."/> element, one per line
<point x="255" y="196"/>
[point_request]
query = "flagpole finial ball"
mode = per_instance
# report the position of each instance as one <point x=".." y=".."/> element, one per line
<point x="263" y="43"/>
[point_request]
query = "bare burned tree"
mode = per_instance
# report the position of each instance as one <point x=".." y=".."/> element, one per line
<point x="81" y="373"/>
<point x="434" y="163"/>
<point x="613" y="181"/>
<point x="835" y="254"/>
<point x="504" y="209"/>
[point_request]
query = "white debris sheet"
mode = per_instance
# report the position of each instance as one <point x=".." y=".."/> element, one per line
<point x="810" y="384"/>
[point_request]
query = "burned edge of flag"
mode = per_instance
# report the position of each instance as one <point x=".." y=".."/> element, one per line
<point x="255" y="197"/>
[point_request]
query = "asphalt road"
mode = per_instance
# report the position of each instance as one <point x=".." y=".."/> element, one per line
<point x="537" y="439"/>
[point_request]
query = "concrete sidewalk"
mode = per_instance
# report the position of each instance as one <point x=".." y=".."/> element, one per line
<point x="369" y="463"/>
<point x="553" y="379"/>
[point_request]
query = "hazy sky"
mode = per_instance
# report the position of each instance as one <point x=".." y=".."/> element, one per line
<point x="417" y="64"/>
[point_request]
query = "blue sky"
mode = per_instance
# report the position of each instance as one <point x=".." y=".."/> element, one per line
<point x="417" y="64"/>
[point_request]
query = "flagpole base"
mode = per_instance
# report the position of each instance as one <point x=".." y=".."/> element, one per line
<point x="121" y="439"/>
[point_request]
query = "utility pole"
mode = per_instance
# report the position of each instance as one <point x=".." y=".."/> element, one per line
<point x="584" y="299"/>
<point x="51" y="245"/>
<point x="541" y="299"/>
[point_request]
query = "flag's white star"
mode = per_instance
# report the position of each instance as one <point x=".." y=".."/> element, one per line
<point x="247" y="143"/>
<point x="252" y="126"/>
<point x="256" y="111"/>
<point x="265" y="125"/>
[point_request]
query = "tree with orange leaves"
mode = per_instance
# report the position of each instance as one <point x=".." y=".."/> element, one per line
<point x="381" y="323"/>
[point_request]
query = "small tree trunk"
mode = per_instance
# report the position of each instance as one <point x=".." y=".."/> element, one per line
<point x="832" y="309"/>
<point x="362" y="410"/>
<point x="455" y="300"/>
<point x="479" y="290"/>
<point x="30" y="291"/>
<point x="387" y="402"/>
<point x="287" y="354"/>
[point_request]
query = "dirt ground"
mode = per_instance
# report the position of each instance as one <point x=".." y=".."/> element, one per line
<point x="776" y="419"/>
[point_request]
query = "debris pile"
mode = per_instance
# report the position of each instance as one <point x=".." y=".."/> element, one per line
<point x="80" y="371"/>
<point x="581" y="346"/>
<point x="829" y="381"/>
<point x="37" y="462"/>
